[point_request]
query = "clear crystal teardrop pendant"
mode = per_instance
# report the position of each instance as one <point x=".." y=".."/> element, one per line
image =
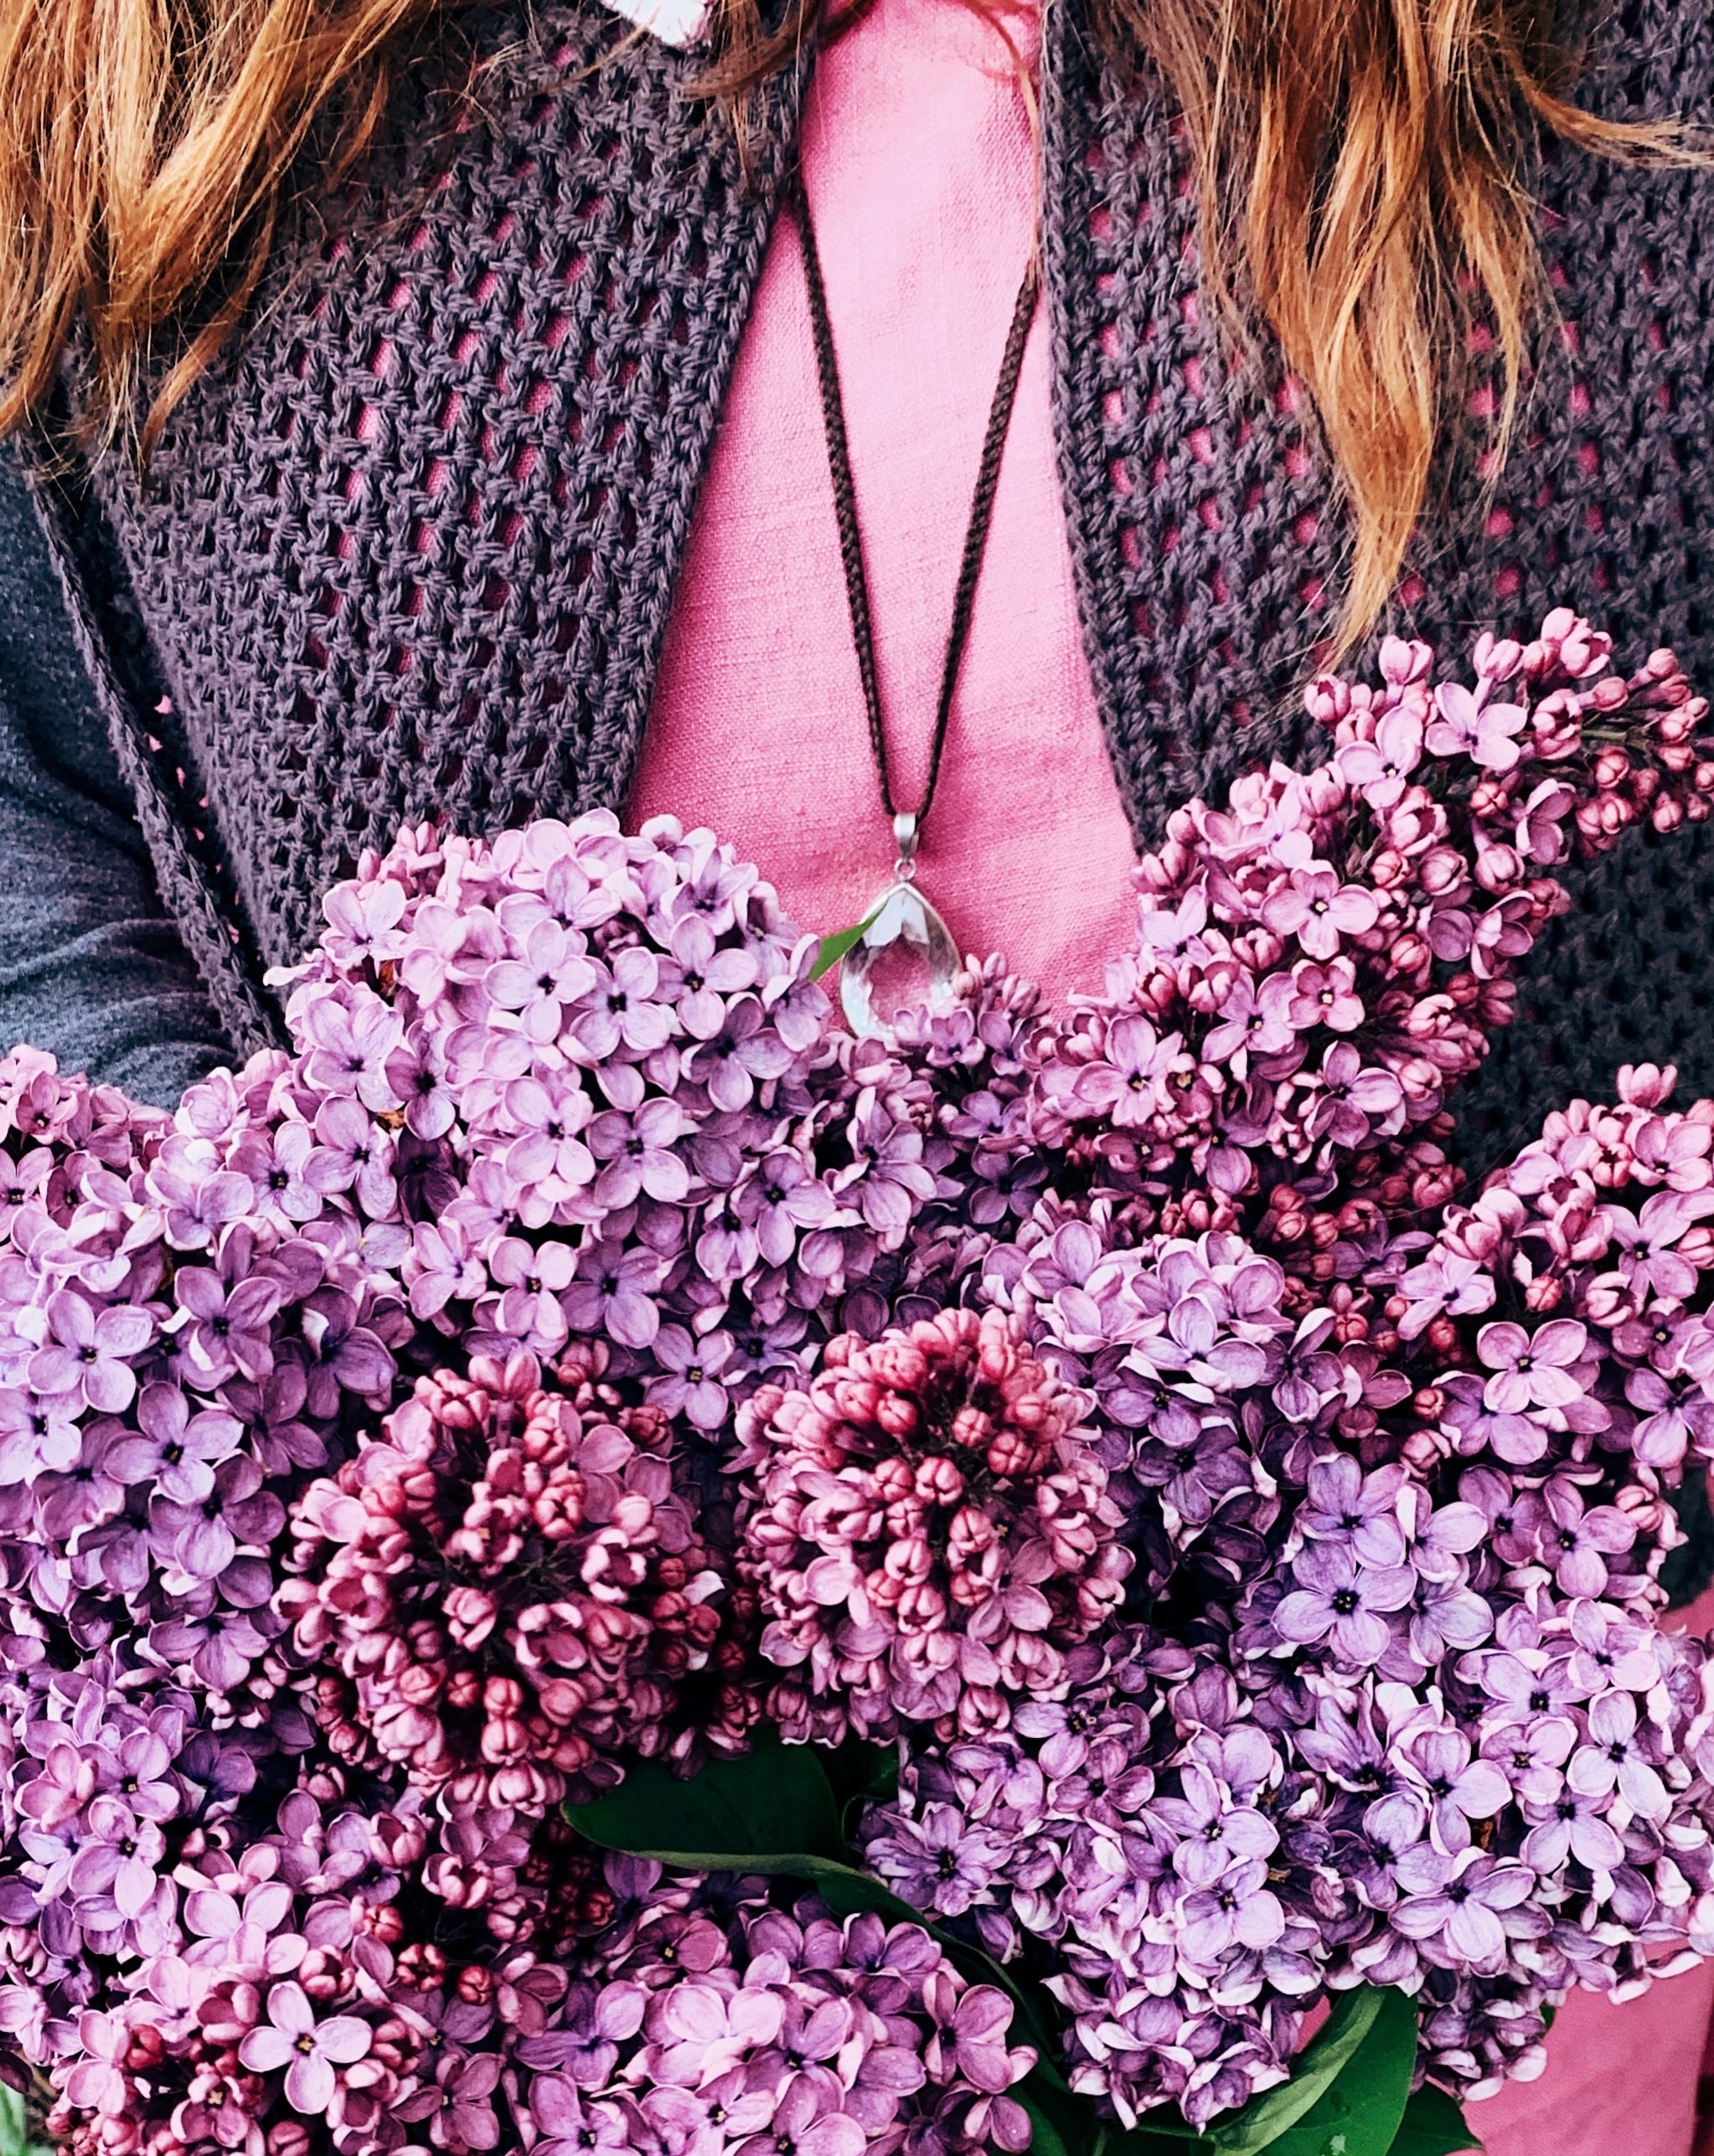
<point x="905" y="958"/>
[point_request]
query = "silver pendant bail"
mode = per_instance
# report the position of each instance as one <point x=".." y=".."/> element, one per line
<point x="906" y="835"/>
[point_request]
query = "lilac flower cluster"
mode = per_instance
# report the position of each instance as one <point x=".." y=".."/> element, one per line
<point x="510" y="1587"/>
<point x="1323" y="958"/>
<point x="1370" y="1564"/>
<point x="575" y="1351"/>
<point x="567" y="1101"/>
<point x="1564" y="1302"/>
<point x="158" y="1376"/>
<point x="927" y="1529"/>
<point x="594" y="1087"/>
<point x="1197" y="1844"/>
<point x="305" y="2009"/>
<point x="726" y="2020"/>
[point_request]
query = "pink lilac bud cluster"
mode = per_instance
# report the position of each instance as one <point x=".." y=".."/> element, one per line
<point x="928" y="1530"/>
<point x="505" y="1591"/>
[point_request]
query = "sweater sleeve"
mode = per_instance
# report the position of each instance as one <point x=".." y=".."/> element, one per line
<point x="90" y="966"/>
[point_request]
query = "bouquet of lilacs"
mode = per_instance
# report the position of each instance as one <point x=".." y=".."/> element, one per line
<point x="590" y="1562"/>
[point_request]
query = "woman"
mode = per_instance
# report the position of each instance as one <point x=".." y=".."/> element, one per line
<point x="456" y="436"/>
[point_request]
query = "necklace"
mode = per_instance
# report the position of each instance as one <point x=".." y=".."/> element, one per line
<point x="904" y="953"/>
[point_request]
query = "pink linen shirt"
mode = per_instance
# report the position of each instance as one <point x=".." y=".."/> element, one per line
<point x="921" y="173"/>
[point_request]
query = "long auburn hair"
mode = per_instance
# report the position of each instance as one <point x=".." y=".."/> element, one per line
<point x="1361" y="165"/>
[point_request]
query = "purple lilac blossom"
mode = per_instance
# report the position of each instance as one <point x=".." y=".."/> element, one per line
<point x="1292" y="1624"/>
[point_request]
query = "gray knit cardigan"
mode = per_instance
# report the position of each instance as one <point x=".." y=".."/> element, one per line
<point x="410" y="550"/>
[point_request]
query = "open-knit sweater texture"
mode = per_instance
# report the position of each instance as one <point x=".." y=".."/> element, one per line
<point x="409" y="550"/>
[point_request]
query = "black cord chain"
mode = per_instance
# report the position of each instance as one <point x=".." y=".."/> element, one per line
<point x="838" y="456"/>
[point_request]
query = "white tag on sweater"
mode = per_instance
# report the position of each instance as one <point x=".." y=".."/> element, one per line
<point x="674" y="21"/>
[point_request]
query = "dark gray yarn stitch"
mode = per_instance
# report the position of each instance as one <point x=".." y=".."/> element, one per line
<point x="409" y="552"/>
<point x="148" y="744"/>
<point x="1203" y="539"/>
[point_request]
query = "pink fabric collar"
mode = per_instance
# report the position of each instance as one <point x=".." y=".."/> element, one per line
<point x="674" y="21"/>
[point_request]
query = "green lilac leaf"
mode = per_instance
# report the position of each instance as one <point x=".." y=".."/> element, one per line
<point x="1432" y="2126"/>
<point x="1260" y="2124"/>
<point x="15" y="2124"/>
<point x="832" y="949"/>
<point x="1359" y="2112"/>
<point x="1168" y="2140"/>
<point x="1045" y="2136"/>
<point x="871" y="1776"/>
<point x="1161" y="2130"/>
<point x="775" y="1797"/>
